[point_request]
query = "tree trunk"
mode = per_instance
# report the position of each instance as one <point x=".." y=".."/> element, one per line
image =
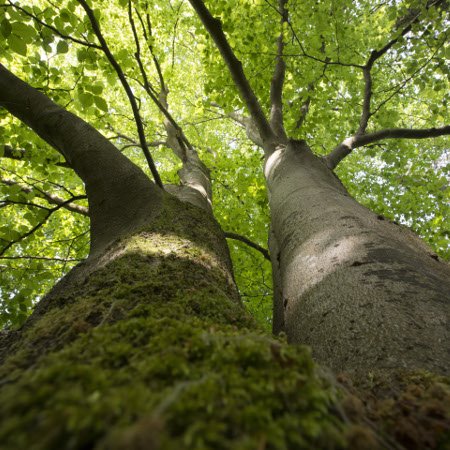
<point x="148" y="346"/>
<point x="363" y="292"/>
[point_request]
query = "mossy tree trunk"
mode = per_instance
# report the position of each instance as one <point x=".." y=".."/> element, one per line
<point x="147" y="345"/>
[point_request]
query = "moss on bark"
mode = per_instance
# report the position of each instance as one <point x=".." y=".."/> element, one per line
<point x="150" y="347"/>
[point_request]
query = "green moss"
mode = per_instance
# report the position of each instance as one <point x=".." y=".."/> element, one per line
<point x="149" y="347"/>
<point x="184" y="382"/>
<point x="153" y="349"/>
<point x="408" y="408"/>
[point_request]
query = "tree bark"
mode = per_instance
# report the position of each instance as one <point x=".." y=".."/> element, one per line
<point x="147" y="346"/>
<point x="121" y="197"/>
<point x="363" y="292"/>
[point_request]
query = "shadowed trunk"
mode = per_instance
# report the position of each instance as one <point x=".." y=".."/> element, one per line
<point x="363" y="292"/>
<point x="147" y="346"/>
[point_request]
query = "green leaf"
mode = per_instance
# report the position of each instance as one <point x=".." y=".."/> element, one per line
<point x="96" y="89"/>
<point x="86" y="99"/>
<point x="101" y="103"/>
<point x="62" y="47"/>
<point x="24" y="31"/>
<point x="5" y="28"/>
<point x="17" y="45"/>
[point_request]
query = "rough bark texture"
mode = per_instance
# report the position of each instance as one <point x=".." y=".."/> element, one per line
<point x="148" y="346"/>
<point x="363" y="292"/>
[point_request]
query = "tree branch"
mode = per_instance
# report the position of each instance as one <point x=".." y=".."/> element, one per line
<point x="139" y="125"/>
<point x="51" y="198"/>
<point x="276" y="85"/>
<point x="349" y="144"/>
<point x="52" y="28"/>
<point x="19" y="154"/>
<point x="238" y="237"/>
<point x="30" y="231"/>
<point x="42" y="258"/>
<point x="214" y="28"/>
<point x="111" y="179"/>
<point x="374" y="56"/>
<point x="147" y="84"/>
<point x="247" y="123"/>
<point x="366" y="114"/>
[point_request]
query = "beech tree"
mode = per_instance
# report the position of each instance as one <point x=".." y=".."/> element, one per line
<point x="138" y="138"/>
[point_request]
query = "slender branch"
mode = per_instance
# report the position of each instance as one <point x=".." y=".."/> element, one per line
<point x="52" y="28"/>
<point x="160" y="102"/>
<point x="396" y="89"/>
<point x="31" y="231"/>
<point x="246" y="122"/>
<point x="238" y="237"/>
<point x="366" y="114"/>
<point x="326" y="61"/>
<point x="139" y="125"/>
<point x="214" y="28"/>
<point x="20" y="153"/>
<point x="43" y="258"/>
<point x="150" y="47"/>
<point x="374" y="56"/>
<point x="276" y="85"/>
<point x="147" y="85"/>
<point x="349" y="144"/>
<point x="51" y="198"/>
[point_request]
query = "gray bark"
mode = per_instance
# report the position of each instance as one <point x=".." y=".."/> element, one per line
<point x="278" y="308"/>
<point x="363" y="292"/>
<point x="195" y="178"/>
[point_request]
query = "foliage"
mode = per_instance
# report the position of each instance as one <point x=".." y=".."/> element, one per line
<point x="53" y="47"/>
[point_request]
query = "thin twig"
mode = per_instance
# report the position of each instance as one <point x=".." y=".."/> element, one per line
<point x="139" y="125"/>
<point x="254" y="245"/>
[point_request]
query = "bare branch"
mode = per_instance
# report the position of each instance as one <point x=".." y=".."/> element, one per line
<point x="19" y="154"/>
<point x="147" y="85"/>
<point x="239" y="237"/>
<point x="42" y="258"/>
<point x="33" y="229"/>
<point x="139" y="125"/>
<point x="214" y="28"/>
<point x="349" y="144"/>
<point x="276" y="86"/>
<point x="51" y="198"/>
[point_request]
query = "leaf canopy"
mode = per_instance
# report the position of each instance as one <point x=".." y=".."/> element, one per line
<point x="54" y="48"/>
